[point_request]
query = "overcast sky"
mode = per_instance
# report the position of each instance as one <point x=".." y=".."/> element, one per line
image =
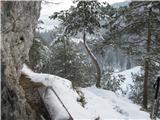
<point x="49" y="9"/>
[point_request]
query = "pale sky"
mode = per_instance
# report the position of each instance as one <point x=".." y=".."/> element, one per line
<point x="49" y="9"/>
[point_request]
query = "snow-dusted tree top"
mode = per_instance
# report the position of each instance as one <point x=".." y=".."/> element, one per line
<point x="58" y="5"/>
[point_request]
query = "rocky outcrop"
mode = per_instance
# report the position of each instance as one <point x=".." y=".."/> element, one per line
<point x="18" y="23"/>
<point x="33" y="96"/>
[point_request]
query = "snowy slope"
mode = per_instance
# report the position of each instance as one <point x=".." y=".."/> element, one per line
<point x="102" y="103"/>
<point x="108" y="105"/>
<point x="127" y="74"/>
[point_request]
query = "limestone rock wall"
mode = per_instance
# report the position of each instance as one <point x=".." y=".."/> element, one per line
<point x="33" y="96"/>
<point x="18" y="23"/>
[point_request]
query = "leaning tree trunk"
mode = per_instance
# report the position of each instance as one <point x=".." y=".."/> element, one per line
<point x="98" y="77"/>
<point x="146" y="66"/>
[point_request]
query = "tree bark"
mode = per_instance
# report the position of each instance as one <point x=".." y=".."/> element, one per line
<point x="159" y="39"/>
<point x="98" y="77"/>
<point x="65" y="58"/>
<point x="146" y="66"/>
<point x="145" y="85"/>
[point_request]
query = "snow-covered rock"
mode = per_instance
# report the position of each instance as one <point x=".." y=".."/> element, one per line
<point x="99" y="103"/>
<point x="64" y="89"/>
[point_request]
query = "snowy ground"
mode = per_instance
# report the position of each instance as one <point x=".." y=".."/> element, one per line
<point x="108" y="105"/>
<point x="100" y="103"/>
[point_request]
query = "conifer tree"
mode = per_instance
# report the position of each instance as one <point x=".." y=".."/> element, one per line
<point x="84" y="18"/>
<point x="138" y="26"/>
<point x="68" y="62"/>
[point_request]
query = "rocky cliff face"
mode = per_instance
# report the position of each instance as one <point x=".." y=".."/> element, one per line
<point x="18" y="23"/>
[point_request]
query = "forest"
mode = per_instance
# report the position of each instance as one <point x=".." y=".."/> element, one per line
<point x="94" y="61"/>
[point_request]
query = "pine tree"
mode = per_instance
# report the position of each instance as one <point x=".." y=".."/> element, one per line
<point x="39" y="55"/>
<point x="138" y="27"/>
<point x="70" y="63"/>
<point x="84" y="18"/>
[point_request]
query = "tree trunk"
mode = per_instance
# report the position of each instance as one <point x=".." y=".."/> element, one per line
<point x="145" y="85"/>
<point x="98" y="77"/>
<point x="65" y="58"/>
<point x="146" y="66"/>
<point x="159" y="39"/>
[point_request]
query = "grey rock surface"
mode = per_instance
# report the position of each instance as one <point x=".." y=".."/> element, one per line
<point x="18" y="23"/>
